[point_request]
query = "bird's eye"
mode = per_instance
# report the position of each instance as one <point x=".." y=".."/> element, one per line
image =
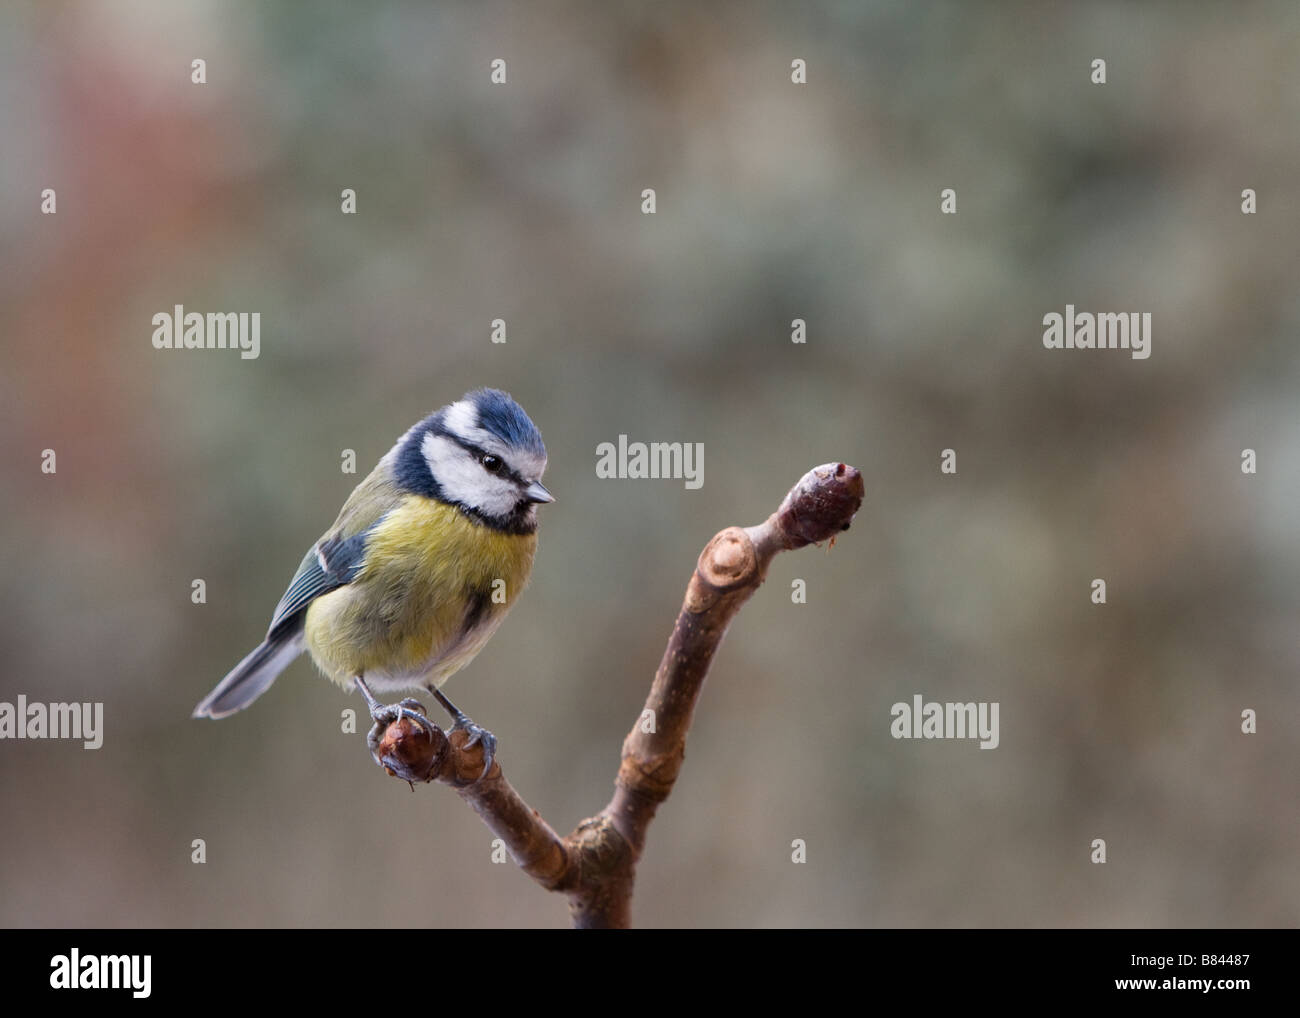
<point x="492" y="464"/>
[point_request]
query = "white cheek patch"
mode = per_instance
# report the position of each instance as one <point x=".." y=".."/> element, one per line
<point x="462" y="419"/>
<point x="463" y="479"/>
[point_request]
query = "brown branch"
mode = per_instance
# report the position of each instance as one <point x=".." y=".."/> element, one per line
<point x="595" y="866"/>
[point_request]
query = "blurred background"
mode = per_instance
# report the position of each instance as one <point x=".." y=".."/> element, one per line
<point x="775" y="201"/>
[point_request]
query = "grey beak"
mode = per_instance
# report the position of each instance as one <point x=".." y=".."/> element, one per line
<point x="535" y="492"/>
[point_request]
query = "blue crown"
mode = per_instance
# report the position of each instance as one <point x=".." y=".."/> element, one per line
<point x="503" y="417"/>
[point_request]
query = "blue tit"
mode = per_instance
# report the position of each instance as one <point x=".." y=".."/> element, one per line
<point x="426" y="557"/>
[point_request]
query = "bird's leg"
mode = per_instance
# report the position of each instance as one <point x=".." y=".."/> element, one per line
<point x="384" y="715"/>
<point x="476" y="734"/>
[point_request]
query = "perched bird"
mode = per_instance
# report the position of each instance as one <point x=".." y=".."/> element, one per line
<point x="425" y="559"/>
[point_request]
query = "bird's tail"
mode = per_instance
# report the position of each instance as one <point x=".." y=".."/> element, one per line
<point x="252" y="676"/>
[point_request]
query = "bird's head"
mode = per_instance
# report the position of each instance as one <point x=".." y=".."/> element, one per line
<point x="481" y="453"/>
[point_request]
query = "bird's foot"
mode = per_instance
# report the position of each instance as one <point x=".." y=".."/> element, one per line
<point x="477" y="734"/>
<point x="385" y="714"/>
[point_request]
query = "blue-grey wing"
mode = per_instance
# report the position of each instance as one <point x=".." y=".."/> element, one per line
<point x="332" y="563"/>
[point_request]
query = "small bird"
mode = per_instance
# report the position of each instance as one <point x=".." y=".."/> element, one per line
<point x="426" y="557"/>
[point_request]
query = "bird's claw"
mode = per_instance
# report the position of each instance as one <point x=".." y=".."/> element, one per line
<point x="385" y="714"/>
<point x="478" y="734"/>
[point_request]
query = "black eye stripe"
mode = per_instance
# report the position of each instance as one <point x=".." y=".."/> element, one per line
<point x="505" y="470"/>
<point x="478" y="453"/>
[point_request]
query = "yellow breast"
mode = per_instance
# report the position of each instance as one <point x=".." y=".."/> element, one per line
<point x="435" y="585"/>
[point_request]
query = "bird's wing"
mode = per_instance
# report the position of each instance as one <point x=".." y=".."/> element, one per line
<point x="337" y="557"/>
<point x="333" y="562"/>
